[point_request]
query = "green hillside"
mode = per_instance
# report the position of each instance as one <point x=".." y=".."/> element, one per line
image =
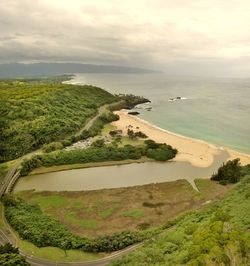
<point x="34" y="114"/>
<point x="217" y="235"/>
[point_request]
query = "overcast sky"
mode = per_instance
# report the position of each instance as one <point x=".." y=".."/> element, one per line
<point x="210" y="37"/>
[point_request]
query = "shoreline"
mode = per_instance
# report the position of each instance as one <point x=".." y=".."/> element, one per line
<point x="198" y="152"/>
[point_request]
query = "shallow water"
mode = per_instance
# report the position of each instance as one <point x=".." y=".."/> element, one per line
<point x="216" y="110"/>
<point x="118" y="176"/>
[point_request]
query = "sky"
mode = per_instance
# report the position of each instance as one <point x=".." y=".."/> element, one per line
<point x="190" y="37"/>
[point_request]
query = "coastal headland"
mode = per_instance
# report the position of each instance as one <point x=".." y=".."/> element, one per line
<point x="199" y="153"/>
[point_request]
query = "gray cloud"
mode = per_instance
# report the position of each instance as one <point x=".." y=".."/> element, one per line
<point x="191" y="36"/>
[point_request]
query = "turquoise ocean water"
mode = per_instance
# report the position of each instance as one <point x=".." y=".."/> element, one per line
<point x="216" y="110"/>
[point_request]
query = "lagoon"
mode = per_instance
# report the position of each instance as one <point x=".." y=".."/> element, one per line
<point x="116" y="176"/>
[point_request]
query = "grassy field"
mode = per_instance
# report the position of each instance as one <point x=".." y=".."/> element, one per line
<point x="95" y="213"/>
<point x="56" y="254"/>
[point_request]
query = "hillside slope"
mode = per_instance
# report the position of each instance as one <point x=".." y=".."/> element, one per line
<point x="217" y="235"/>
<point x="34" y="114"/>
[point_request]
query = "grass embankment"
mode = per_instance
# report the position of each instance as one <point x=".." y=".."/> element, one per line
<point x="57" y="254"/>
<point x="34" y="114"/>
<point x="101" y="212"/>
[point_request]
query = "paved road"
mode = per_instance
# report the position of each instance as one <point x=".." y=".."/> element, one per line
<point x="101" y="109"/>
<point x="4" y="237"/>
<point x="7" y="180"/>
<point x="92" y="120"/>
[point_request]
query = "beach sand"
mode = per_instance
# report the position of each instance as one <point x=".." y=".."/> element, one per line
<point x="199" y="153"/>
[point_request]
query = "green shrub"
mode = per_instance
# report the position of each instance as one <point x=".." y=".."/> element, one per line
<point x="53" y="146"/>
<point x="97" y="153"/>
<point x="98" y="143"/>
<point x="163" y="153"/>
<point x="229" y="172"/>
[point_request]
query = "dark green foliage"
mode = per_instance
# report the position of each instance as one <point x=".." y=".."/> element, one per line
<point x="108" y="117"/>
<point x="133" y="113"/>
<point x="99" y="123"/>
<point x="35" y="114"/>
<point x="138" y="134"/>
<point x="229" y="172"/>
<point x="85" y="134"/>
<point x="131" y="133"/>
<point x="115" y="133"/>
<point x="117" y="241"/>
<point x="53" y="146"/>
<point x="98" y="143"/>
<point x="42" y="230"/>
<point x="9" y="256"/>
<point x="130" y="100"/>
<point x="29" y="221"/>
<point x="12" y="259"/>
<point x="8" y="248"/>
<point x="162" y="153"/>
<point x="151" y="144"/>
<point x="245" y="170"/>
<point x="92" y="154"/>
<point x="98" y="153"/>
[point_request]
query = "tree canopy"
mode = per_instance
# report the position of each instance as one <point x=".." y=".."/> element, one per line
<point x="229" y="172"/>
<point x="33" y="114"/>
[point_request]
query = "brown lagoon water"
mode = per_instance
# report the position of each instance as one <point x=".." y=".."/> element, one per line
<point x="118" y="176"/>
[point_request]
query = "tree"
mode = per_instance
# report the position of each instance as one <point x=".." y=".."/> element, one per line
<point x="229" y="172"/>
<point x="12" y="259"/>
<point x="8" y="248"/>
<point x="98" y="143"/>
<point x="53" y="146"/>
<point x="9" y="256"/>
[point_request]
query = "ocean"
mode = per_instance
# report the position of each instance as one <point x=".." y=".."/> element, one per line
<point x="213" y="110"/>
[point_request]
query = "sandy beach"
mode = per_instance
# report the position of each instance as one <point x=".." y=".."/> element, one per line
<point x="199" y="153"/>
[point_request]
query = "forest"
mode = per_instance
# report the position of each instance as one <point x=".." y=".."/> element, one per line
<point x="33" y="114"/>
<point x="10" y="256"/>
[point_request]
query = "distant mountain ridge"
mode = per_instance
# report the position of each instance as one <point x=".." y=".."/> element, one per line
<point x="36" y="69"/>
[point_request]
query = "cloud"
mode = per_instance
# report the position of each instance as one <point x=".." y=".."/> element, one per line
<point x="156" y="34"/>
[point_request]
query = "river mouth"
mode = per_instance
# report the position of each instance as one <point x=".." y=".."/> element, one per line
<point x="117" y="176"/>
